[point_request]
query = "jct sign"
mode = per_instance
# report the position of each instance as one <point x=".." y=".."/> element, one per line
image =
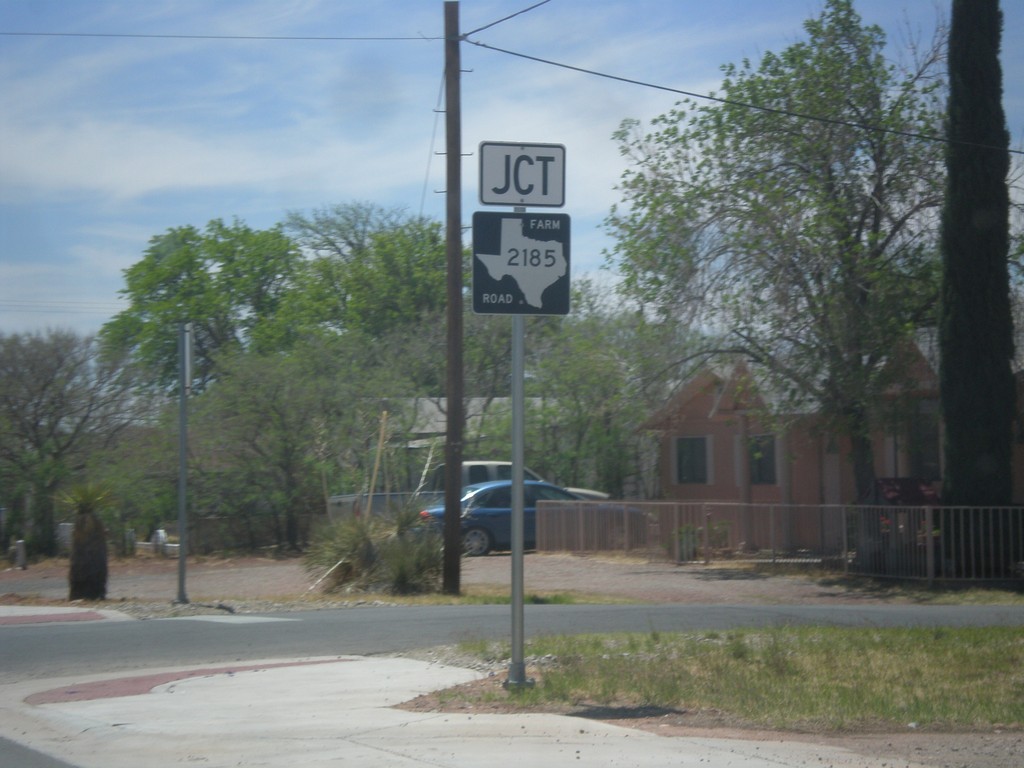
<point x="522" y="174"/>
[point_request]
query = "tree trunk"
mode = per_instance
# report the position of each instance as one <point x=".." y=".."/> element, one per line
<point x="862" y="455"/>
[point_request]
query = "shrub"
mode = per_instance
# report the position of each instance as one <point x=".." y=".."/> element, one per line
<point x="393" y="554"/>
<point x="87" y="576"/>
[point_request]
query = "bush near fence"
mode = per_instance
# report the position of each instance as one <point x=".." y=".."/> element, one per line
<point x="944" y="543"/>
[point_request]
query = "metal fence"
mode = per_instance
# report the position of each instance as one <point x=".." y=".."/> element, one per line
<point x="944" y="543"/>
<point x="241" y="533"/>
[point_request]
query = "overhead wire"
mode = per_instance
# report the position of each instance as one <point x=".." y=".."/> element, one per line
<point x="433" y="139"/>
<point x="60" y="307"/>
<point x="171" y="36"/>
<point x="538" y="59"/>
<point x="68" y="306"/>
<point x="742" y="104"/>
<point x="440" y="95"/>
<point x="506" y="18"/>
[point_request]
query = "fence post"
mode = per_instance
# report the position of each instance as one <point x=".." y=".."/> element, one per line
<point x="20" y="556"/>
<point x="771" y="528"/>
<point x="707" y="534"/>
<point x="845" y="523"/>
<point x="929" y="542"/>
<point x="675" y="532"/>
<point x="579" y="527"/>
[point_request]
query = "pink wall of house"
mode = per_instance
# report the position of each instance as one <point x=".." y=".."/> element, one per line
<point x="809" y="467"/>
<point x="727" y="424"/>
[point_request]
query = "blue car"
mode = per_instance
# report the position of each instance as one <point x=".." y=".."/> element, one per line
<point x="487" y="514"/>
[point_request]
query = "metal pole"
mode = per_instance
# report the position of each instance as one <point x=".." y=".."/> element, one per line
<point x="185" y="382"/>
<point x="451" y="574"/>
<point x="517" y="667"/>
<point x="929" y="543"/>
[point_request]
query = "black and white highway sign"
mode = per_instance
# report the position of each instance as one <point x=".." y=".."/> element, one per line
<point x="520" y="263"/>
<point x="522" y="174"/>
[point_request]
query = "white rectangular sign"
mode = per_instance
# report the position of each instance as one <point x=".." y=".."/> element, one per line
<point x="522" y="174"/>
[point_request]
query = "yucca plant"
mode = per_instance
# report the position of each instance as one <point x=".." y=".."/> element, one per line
<point x="389" y="553"/>
<point x="87" y="577"/>
<point x="344" y="552"/>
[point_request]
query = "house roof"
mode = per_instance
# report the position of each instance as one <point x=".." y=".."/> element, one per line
<point x="431" y="413"/>
<point x="741" y="386"/>
<point x="733" y="388"/>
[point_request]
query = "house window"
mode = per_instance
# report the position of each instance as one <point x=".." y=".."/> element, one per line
<point x="762" y="460"/>
<point x="691" y="460"/>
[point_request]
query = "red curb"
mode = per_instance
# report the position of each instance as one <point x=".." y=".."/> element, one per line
<point x="46" y="618"/>
<point x="136" y="686"/>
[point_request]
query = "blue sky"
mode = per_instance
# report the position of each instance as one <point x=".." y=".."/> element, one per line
<point x="108" y="141"/>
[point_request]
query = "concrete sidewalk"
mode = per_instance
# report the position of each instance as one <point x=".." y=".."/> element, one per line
<point x="47" y="614"/>
<point x="335" y="711"/>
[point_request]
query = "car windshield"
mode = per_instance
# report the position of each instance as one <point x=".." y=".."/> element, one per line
<point x="473" y="495"/>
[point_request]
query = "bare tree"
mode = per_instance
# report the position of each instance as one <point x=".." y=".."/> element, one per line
<point x="60" y="398"/>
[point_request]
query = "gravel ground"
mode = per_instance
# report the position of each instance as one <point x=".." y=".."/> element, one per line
<point x="252" y="584"/>
<point x="147" y="587"/>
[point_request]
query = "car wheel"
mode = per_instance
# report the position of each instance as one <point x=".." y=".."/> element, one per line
<point x="476" y="542"/>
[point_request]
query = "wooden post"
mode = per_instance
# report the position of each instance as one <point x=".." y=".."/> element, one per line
<point x="451" y="575"/>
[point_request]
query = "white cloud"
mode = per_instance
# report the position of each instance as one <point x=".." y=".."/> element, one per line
<point x="105" y="142"/>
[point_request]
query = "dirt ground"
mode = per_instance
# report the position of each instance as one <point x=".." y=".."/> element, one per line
<point x="147" y="587"/>
<point x="148" y="578"/>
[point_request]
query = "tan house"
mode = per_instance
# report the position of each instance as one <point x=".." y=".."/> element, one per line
<point x="714" y="445"/>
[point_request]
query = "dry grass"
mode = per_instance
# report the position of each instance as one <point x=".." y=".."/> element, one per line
<point x="797" y="678"/>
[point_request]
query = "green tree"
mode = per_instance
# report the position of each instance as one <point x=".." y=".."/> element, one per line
<point x="805" y="243"/>
<point x="140" y="467"/>
<point x="976" y="330"/>
<point x="589" y="394"/>
<point x="276" y="433"/>
<point x="368" y="268"/>
<point x="255" y="426"/>
<point x="227" y="280"/>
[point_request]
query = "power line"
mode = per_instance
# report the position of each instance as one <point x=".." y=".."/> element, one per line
<point x="510" y="16"/>
<point x="297" y="38"/>
<point x="538" y="59"/>
<point x="745" y="105"/>
<point x="60" y="307"/>
<point x="161" y="36"/>
<point x="433" y="138"/>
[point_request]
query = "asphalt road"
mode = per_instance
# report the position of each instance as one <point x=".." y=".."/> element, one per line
<point x="80" y="648"/>
<point x="87" y="648"/>
<point x="13" y="755"/>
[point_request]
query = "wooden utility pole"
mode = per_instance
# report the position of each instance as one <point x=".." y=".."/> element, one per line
<point x="453" y="197"/>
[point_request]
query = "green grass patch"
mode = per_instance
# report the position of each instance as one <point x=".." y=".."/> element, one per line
<point x="803" y="678"/>
<point x="888" y="590"/>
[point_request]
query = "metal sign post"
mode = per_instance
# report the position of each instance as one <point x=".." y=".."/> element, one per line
<point x="520" y="267"/>
<point x="185" y="386"/>
<point x="517" y="667"/>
